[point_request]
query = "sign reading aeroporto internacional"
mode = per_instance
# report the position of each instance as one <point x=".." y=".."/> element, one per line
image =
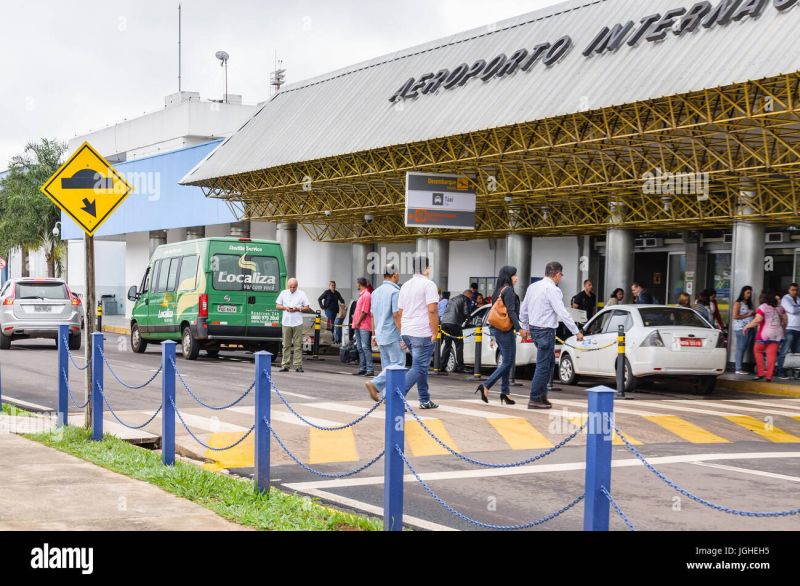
<point x="439" y="201"/>
<point x="654" y="28"/>
<point x="87" y="188"/>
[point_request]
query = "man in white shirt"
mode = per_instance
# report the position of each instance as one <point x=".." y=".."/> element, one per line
<point x="542" y="309"/>
<point x="791" y="343"/>
<point x="293" y="303"/>
<point x="418" y="304"/>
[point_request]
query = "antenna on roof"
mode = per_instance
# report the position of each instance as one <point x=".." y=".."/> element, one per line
<point x="278" y="76"/>
<point x="179" y="47"/>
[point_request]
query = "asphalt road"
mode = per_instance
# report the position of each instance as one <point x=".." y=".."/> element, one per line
<point x="735" y="450"/>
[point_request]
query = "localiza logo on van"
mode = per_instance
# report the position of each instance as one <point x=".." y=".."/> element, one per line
<point x="255" y="278"/>
<point x="168" y="314"/>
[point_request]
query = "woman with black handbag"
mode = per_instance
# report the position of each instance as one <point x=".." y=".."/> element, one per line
<point x="503" y="320"/>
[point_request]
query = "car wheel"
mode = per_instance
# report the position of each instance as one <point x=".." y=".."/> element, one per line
<point x="5" y="342"/>
<point x="191" y="349"/>
<point x="138" y="344"/>
<point x="450" y="367"/>
<point x="631" y="382"/>
<point x="75" y="341"/>
<point x="566" y="371"/>
<point x="707" y="384"/>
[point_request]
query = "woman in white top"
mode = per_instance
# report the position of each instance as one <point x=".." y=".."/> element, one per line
<point x="743" y="315"/>
<point x="617" y="297"/>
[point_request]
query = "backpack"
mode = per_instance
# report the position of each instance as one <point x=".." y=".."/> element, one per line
<point x="348" y="353"/>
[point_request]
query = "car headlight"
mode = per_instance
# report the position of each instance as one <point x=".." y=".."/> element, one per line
<point x="654" y="340"/>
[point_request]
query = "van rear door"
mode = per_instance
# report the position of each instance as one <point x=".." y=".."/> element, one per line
<point x="227" y="298"/>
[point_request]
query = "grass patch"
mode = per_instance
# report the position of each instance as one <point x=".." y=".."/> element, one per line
<point x="229" y="497"/>
<point x="14" y="411"/>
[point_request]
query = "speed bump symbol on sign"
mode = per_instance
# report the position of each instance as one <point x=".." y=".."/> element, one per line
<point x="87" y="188"/>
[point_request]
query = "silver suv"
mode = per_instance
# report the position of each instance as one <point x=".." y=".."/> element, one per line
<point x="34" y="308"/>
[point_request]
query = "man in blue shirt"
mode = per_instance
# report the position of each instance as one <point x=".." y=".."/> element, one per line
<point x="386" y="316"/>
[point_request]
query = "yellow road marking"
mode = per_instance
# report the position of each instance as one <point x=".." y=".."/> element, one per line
<point x="326" y="447"/>
<point x="689" y="431"/>
<point x="242" y="456"/>
<point x="578" y="420"/>
<point x="759" y="426"/>
<point x="519" y="434"/>
<point x="421" y="444"/>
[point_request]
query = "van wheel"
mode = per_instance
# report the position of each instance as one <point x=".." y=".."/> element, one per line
<point x="75" y="341"/>
<point x="191" y="349"/>
<point x="5" y="342"/>
<point x="138" y="344"/>
<point x="566" y="371"/>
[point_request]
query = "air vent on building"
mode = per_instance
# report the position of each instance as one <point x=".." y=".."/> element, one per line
<point x="649" y="242"/>
<point x="728" y="239"/>
<point x="775" y="238"/>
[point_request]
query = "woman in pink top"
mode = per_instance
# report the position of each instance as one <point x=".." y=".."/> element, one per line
<point x="771" y="323"/>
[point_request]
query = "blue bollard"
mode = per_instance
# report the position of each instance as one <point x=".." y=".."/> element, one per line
<point x="63" y="375"/>
<point x="395" y="436"/>
<point x="168" y="402"/>
<point x="97" y="387"/>
<point x="598" y="458"/>
<point x="263" y="409"/>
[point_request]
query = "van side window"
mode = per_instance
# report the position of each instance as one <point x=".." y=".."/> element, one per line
<point x="162" y="275"/>
<point x="187" y="277"/>
<point x="172" y="279"/>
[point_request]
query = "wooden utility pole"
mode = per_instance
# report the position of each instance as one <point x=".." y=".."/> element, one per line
<point x="89" y="323"/>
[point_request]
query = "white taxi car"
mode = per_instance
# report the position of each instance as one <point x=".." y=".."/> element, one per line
<point x="660" y="342"/>
<point x="490" y="353"/>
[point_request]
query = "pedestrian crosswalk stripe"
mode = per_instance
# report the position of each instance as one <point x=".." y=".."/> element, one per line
<point x="673" y="407"/>
<point x="421" y="444"/>
<point x="760" y="427"/>
<point x="579" y="420"/>
<point x="326" y="447"/>
<point x="584" y="405"/>
<point x="759" y="410"/>
<point x="685" y="430"/>
<point x="519" y="434"/>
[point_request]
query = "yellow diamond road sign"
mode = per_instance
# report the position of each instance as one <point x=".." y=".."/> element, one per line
<point x="87" y="188"/>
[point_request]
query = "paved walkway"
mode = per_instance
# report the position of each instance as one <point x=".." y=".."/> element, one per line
<point x="43" y="489"/>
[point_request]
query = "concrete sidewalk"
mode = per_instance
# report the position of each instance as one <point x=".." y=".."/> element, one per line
<point x="43" y="489"/>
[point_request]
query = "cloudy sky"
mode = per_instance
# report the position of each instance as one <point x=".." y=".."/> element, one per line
<point x="77" y="66"/>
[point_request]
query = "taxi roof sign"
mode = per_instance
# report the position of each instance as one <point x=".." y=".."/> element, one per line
<point x="87" y="188"/>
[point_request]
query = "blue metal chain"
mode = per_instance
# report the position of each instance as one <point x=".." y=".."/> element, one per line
<point x="698" y="499"/>
<point x="123" y="423"/>
<point x="69" y="392"/>
<point x="71" y="358"/>
<point x="123" y="383"/>
<point x="618" y="509"/>
<point x="317" y="472"/>
<point x="475" y="522"/>
<point x="487" y="464"/>
<point x="199" y="401"/>
<point x="319" y="427"/>
<point x="205" y="445"/>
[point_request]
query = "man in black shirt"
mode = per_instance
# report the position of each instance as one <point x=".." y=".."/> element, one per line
<point x="454" y="317"/>
<point x="329" y="302"/>
<point x="586" y="300"/>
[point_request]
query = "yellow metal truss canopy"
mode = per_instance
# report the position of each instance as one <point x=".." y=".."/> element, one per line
<point x="576" y="174"/>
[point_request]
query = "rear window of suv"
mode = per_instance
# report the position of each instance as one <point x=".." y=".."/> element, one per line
<point x="41" y="291"/>
<point x="671" y="316"/>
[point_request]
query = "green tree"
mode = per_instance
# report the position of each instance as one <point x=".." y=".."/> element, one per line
<point x="27" y="217"/>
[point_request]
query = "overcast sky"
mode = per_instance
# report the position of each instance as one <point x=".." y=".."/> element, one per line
<point x="77" y="66"/>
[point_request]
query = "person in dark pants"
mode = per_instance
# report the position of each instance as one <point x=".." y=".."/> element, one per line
<point x="329" y="302"/>
<point x="586" y="300"/>
<point x="542" y="309"/>
<point x="506" y="341"/>
<point x="453" y="319"/>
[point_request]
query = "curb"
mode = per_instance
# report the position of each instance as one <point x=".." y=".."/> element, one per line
<point x="750" y="387"/>
<point x="123" y="331"/>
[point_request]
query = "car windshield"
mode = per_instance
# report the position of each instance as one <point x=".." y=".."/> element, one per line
<point x="41" y="291"/>
<point x="671" y="316"/>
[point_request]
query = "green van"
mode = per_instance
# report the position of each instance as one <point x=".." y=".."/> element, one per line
<point x="210" y="293"/>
